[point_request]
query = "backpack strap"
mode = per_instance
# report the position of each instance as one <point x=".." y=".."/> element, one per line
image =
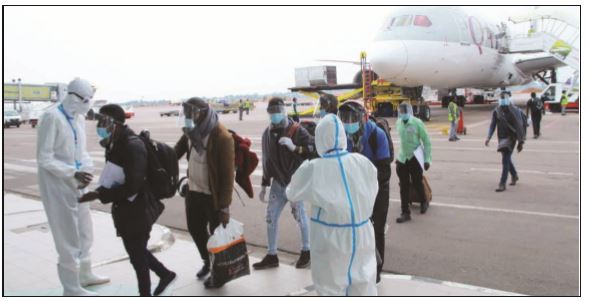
<point x="292" y="130"/>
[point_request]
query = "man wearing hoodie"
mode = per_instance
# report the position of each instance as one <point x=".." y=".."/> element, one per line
<point x="285" y="145"/>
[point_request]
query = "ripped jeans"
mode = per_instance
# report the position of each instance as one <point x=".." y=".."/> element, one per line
<point x="275" y="205"/>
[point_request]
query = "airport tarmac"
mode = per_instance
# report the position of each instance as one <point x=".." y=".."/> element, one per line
<point x="524" y="240"/>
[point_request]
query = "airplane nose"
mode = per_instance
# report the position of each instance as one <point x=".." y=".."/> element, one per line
<point x="388" y="59"/>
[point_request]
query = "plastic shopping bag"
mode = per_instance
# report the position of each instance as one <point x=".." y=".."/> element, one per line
<point x="228" y="253"/>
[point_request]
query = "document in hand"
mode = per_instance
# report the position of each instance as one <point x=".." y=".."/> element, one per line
<point x="420" y="156"/>
<point x="112" y="176"/>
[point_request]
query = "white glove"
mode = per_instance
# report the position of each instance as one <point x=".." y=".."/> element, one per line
<point x="288" y="143"/>
<point x="263" y="195"/>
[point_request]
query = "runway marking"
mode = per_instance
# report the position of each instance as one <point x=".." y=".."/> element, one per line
<point x="493" y="149"/>
<point x="538" y="172"/>
<point x="512" y="211"/>
<point x="21" y="168"/>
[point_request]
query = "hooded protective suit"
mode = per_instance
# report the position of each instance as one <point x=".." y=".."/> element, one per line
<point x="341" y="187"/>
<point x="61" y="152"/>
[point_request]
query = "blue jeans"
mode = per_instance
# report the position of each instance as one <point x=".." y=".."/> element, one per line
<point x="453" y="130"/>
<point x="275" y="205"/>
<point x="508" y="167"/>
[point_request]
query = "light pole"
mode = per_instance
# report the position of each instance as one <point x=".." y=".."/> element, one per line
<point x="19" y="95"/>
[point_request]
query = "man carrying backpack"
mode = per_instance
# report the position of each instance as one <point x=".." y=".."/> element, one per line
<point x="209" y="149"/>
<point x="368" y="138"/>
<point x="536" y="106"/>
<point x="284" y="147"/>
<point x="126" y="151"/>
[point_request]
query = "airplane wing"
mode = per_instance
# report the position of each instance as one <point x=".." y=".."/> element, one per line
<point x="535" y="65"/>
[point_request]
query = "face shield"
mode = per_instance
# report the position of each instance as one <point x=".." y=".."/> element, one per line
<point x="352" y="116"/>
<point x="277" y="113"/>
<point x="105" y="125"/>
<point x="189" y="115"/>
<point x="405" y="111"/>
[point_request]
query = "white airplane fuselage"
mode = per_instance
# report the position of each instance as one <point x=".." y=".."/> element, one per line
<point x="444" y="48"/>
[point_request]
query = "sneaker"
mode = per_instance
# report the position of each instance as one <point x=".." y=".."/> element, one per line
<point x="423" y="207"/>
<point x="269" y="261"/>
<point x="164" y="282"/>
<point x="210" y="283"/>
<point x="204" y="271"/>
<point x="304" y="260"/>
<point x="405" y="217"/>
<point x="514" y="180"/>
<point x="500" y="188"/>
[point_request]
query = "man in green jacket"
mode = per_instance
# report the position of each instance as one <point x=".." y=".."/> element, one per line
<point x="415" y="150"/>
<point x="453" y="118"/>
<point x="564" y="101"/>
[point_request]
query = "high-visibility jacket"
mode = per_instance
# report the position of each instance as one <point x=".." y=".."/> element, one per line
<point x="452" y="111"/>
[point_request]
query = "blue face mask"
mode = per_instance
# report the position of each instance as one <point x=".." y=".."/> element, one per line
<point x="504" y="102"/>
<point x="322" y="113"/>
<point x="352" y="128"/>
<point x="405" y="116"/>
<point x="188" y="123"/>
<point x="276" y="118"/>
<point x="102" y="133"/>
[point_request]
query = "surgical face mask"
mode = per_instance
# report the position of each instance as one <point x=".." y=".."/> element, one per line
<point x="405" y="116"/>
<point x="504" y="102"/>
<point x="102" y="133"/>
<point x="322" y="113"/>
<point x="276" y="118"/>
<point x="188" y="123"/>
<point x="352" y="128"/>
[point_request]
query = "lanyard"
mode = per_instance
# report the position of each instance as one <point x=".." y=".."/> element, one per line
<point x="69" y="121"/>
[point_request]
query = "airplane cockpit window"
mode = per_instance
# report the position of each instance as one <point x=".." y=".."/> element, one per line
<point x="401" y="21"/>
<point x="422" y="21"/>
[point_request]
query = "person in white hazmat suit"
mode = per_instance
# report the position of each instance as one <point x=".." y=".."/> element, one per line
<point x="342" y="188"/>
<point x="64" y="172"/>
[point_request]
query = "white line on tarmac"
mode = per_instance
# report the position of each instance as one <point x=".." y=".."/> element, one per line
<point x="468" y="207"/>
<point x="548" y="151"/>
<point x="21" y="168"/>
<point x="538" y="172"/>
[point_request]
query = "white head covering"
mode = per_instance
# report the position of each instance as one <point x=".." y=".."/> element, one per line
<point x="72" y="103"/>
<point x="330" y="135"/>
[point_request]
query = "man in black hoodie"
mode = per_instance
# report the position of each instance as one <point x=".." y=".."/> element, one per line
<point x="126" y="150"/>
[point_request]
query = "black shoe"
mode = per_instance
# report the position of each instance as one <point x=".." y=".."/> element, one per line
<point x="405" y="217"/>
<point x="210" y="283"/>
<point x="269" y="261"/>
<point x="304" y="260"/>
<point x="500" y="188"/>
<point x="206" y="269"/>
<point x="424" y="206"/>
<point x="535" y="136"/>
<point x="164" y="282"/>
<point x="514" y="180"/>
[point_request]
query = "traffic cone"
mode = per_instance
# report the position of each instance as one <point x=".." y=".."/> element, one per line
<point x="461" y="129"/>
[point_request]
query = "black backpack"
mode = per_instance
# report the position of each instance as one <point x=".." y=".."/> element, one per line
<point x="162" y="167"/>
<point x="383" y="124"/>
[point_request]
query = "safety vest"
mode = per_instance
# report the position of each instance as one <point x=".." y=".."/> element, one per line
<point x="452" y="111"/>
<point x="564" y="100"/>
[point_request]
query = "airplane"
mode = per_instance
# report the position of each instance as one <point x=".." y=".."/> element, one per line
<point x="447" y="48"/>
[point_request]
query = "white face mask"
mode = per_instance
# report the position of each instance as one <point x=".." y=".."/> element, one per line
<point x="74" y="105"/>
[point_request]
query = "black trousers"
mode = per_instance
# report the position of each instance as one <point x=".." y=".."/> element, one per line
<point x="536" y="118"/>
<point x="142" y="261"/>
<point x="410" y="173"/>
<point x="379" y="220"/>
<point x="202" y="220"/>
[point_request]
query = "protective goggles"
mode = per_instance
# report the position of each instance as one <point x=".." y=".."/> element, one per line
<point x="274" y="109"/>
<point x="81" y="99"/>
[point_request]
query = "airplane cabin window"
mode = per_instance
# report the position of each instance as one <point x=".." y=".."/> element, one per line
<point x="401" y="21"/>
<point x="422" y="21"/>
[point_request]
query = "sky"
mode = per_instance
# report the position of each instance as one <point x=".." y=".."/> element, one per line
<point x="172" y="53"/>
